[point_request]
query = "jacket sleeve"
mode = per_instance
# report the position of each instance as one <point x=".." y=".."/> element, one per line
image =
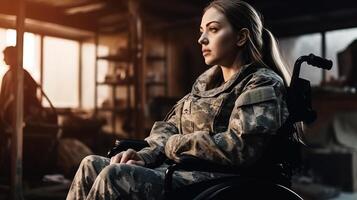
<point x="258" y="112"/>
<point x="154" y="155"/>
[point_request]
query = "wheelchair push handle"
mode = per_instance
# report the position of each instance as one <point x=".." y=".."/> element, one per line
<point x="311" y="60"/>
<point x="319" y="62"/>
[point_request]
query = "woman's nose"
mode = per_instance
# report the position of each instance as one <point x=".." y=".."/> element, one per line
<point x="203" y="39"/>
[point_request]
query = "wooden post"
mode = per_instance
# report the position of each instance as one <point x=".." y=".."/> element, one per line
<point x="323" y="54"/>
<point x="136" y="49"/>
<point x="41" y="63"/>
<point x="80" y="73"/>
<point x="96" y="41"/>
<point x="17" y="135"/>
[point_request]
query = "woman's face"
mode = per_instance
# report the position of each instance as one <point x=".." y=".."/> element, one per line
<point x="218" y="39"/>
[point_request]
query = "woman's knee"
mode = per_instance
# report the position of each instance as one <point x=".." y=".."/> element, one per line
<point x="94" y="160"/>
<point x="89" y="159"/>
<point x="120" y="173"/>
<point x="133" y="182"/>
<point x="114" y="170"/>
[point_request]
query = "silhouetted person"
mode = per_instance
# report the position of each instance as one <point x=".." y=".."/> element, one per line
<point x="32" y="105"/>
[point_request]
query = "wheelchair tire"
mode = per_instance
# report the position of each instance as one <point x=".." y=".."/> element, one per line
<point x="247" y="190"/>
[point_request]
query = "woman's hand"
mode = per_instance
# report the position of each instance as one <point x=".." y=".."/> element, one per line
<point x="129" y="156"/>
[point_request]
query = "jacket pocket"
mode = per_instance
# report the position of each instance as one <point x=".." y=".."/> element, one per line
<point x="204" y="111"/>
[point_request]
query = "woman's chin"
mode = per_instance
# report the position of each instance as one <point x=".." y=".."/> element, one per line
<point x="209" y="62"/>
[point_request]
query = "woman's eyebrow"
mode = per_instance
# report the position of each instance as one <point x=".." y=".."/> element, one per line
<point x="209" y="24"/>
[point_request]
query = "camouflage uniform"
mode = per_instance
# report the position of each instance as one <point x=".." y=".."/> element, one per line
<point x="221" y="122"/>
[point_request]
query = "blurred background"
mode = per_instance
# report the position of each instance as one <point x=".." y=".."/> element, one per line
<point x="113" y="67"/>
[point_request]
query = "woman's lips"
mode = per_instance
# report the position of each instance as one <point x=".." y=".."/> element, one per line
<point x="206" y="52"/>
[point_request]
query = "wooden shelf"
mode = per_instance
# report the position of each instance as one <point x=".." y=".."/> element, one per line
<point x="115" y="58"/>
<point x="155" y="83"/>
<point x="155" y="58"/>
<point x="117" y="83"/>
<point x="115" y="110"/>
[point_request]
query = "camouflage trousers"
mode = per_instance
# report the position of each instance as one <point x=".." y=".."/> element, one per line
<point x="96" y="179"/>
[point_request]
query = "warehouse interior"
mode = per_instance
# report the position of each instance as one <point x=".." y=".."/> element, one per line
<point x="108" y="69"/>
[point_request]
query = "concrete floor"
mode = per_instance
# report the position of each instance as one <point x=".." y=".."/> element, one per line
<point x="346" y="196"/>
<point x="322" y="192"/>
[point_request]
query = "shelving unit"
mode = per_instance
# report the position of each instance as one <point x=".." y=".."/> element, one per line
<point x="144" y="75"/>
<point x="115" y="81"/>
<point x="126" y="72"/>
<point x="156" y="82"/>
<point x="156" y="75"/>
<point x="156" y="79"/>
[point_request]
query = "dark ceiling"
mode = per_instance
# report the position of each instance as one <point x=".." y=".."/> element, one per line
<point x="284" y="17"/>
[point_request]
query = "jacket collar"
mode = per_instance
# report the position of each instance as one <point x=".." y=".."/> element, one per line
<point x="200" y="87"/>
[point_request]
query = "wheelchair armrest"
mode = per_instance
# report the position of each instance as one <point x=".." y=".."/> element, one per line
<point x="192" y="163"/>
<point x="122" y="145"/>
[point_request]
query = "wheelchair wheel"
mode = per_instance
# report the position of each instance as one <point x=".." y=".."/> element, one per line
<point x="247" y="190"/>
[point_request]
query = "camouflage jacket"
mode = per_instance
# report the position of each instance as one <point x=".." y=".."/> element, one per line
<point x="224" y="123"/>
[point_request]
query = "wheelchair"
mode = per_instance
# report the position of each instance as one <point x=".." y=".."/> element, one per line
<point x="270" y="176"/>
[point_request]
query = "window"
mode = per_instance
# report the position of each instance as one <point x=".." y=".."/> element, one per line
<point x="88" y="79"/>
<point x="31" y="53"/>
<point x="294" y="47"/>
<point x="3" y="67"/>
<point x="60" y="73"/>
<point x="60" y="67"/>
<point x="337" y="41"/>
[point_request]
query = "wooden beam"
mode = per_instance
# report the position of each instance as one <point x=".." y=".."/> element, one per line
<point x="90" y="8"/>
<point x="163" y="11"/>
<point x="295" y="9"/>
<point x="44" y="28"/>
<point x="54" y="15"/>
<point x="171" y="9"/>
<point x="47" y="13"/>
<point x="313" y="24"/>
<point x="109" y="9"/>
<point x="80" y="3"/>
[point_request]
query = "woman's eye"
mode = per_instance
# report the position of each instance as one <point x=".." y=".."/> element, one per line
<point x="213" y="29"/>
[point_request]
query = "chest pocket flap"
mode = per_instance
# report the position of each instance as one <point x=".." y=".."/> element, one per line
<point x="256" y="95"/>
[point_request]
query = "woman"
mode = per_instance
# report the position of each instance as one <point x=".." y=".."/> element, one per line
<point x="224" y="119"/>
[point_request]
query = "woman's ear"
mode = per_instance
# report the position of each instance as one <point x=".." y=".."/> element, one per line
<point x="242" y="37"/>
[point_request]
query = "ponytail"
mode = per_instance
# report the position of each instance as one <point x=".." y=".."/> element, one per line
<point x="271" y="56"/>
